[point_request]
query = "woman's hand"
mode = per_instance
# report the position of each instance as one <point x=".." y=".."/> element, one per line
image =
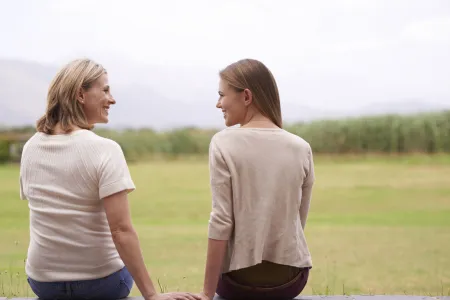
<point x="176" y="296"/>
<point x="203" y="296"/>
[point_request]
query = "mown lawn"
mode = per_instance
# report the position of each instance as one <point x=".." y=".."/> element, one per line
<point x="377" y="225"/>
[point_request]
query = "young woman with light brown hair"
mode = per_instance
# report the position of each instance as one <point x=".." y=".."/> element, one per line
<point x="261" y="180"/>
<point x="82" y="241"/>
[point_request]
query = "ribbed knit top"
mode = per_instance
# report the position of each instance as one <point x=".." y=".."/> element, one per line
<point x="64" y="178"/>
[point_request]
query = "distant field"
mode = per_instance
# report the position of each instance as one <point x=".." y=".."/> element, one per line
<point x="377" y="225"/>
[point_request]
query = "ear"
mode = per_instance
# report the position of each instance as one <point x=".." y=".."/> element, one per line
<point x="248" y="97"/>
<point x="81" y="97"/>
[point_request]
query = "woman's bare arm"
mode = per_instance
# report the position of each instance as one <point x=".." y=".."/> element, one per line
<point x="127" y="243"/>
<point x="214" y="259"/>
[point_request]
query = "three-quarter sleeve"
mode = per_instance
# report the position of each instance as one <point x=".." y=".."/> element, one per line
<point x="307" y="188"/>
<point x="221" y="217"/>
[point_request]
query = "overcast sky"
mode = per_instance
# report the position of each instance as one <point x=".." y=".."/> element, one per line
<point x="333" y="54"/>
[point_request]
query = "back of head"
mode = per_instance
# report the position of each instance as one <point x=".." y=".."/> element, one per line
<point x="63" y="108"/>
<point x="254" y="75"/>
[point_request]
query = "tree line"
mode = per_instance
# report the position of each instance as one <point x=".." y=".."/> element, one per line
<point x="419" y="133"/>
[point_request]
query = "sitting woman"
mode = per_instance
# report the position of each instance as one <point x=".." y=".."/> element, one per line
<point x="82" y="242"/>
<point x="261" y="179"/>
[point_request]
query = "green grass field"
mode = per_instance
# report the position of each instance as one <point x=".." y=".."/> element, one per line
<point x="377" y="225"/>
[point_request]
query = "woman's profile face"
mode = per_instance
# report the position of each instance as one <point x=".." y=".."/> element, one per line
<point x="97" y="100"/>
<point x="232" y="104"/>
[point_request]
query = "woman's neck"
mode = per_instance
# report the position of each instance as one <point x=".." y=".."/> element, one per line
<point x="259" y="121"/>
<point x="58" y="129"/>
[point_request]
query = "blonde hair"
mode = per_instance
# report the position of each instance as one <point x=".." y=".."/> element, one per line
<point x="62" y="104"/>
<point x="254" y="75"/>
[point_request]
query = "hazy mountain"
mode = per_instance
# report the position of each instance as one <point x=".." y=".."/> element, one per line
<point x="23" y="87"/>
<point x="156" y="96"/>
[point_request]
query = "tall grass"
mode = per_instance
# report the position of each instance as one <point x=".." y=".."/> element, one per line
<point x="424" y="133"/>
<point x="391" y="134"/>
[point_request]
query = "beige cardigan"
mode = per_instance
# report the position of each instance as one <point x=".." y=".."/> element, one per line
<point x="261" y="181"/>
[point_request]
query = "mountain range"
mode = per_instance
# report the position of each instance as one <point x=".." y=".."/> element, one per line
<point x="159" y="97"/>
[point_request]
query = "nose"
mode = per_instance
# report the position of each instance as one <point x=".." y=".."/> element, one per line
<point x="112" y="100"/>
<point x="218" y="104"/>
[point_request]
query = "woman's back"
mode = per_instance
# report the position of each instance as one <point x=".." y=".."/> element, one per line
<point x="64" y="177"/>
<point x="271" y="176"/>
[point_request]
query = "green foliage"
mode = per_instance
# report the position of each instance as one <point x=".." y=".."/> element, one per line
<point x="4" y="151"/>
<point x="139" y="144"/>
<point x="389" y="134"/>
<point x="424" y="133"/>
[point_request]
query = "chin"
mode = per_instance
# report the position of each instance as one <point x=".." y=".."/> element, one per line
<point x="101" y="121"/>
<point x="227" y="122"/>
<point x="230" y="123"/>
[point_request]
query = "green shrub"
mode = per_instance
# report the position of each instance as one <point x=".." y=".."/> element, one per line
<point x="4" y="151"/>
<point x="425" y="133"/>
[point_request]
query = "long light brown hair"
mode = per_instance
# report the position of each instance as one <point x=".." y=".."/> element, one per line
<point x="62" y="104"/>
<point x="254" y="75"/>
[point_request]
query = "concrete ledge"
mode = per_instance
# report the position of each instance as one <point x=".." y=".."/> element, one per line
<point x="306" y="297"/>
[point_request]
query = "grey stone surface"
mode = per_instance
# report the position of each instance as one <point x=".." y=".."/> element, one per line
<point x="360" y="297"/>
<point x="307" y="297"/>
<point x="392" y="297"/>
<point x="364" y="297"/>
<point x="219" y="298"/>
<point x="318" y="297"/>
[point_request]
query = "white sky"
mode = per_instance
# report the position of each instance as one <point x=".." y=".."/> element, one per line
<point x="332" y="53"/>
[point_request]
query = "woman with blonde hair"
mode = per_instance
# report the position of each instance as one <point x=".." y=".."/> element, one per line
<point x="82" y="241"/>
<point x="261" y="180"/>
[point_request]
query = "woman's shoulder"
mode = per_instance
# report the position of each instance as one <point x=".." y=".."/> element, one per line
<point x="263" y="135"/>
<point x="102" y="144"/>
<point x="101" y="140"/>
<point x="298" y="140"/>
<point x="232" y="132"/>
<point x="225" y="136"/>
<point x="84" y="140"/>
